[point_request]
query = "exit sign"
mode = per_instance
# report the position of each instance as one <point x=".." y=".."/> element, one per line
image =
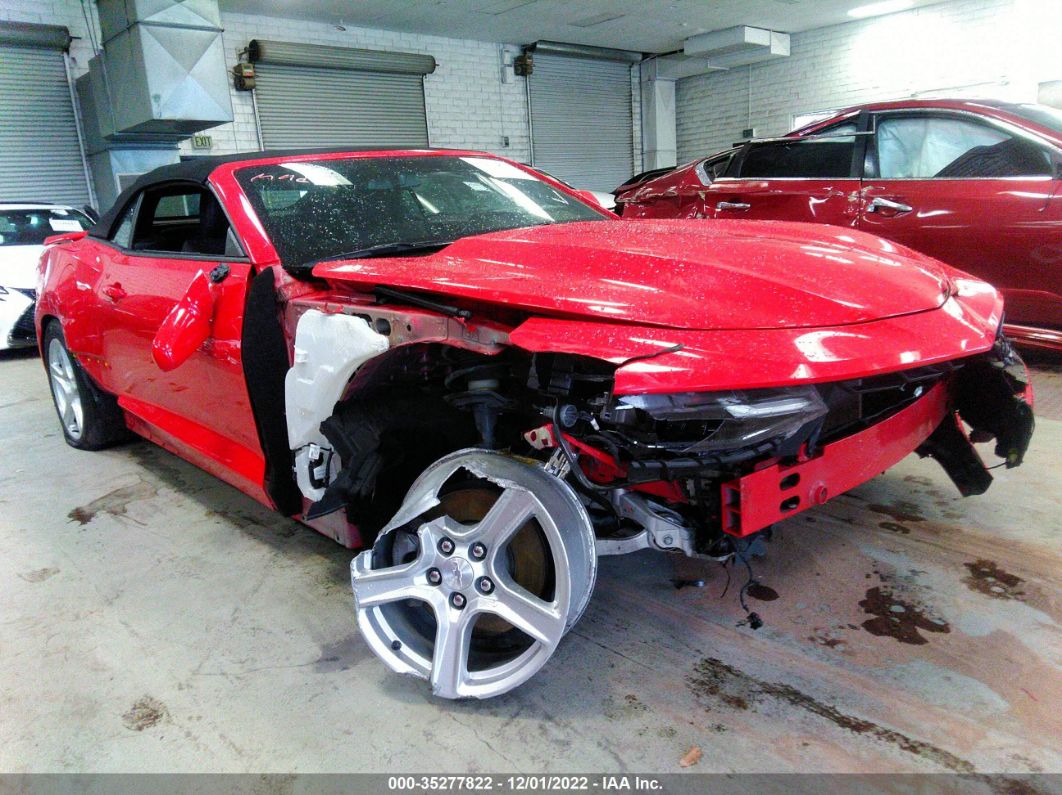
<point x="201" y="141"/>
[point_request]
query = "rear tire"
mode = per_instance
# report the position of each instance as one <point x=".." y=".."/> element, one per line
<point x="90" y="418"/>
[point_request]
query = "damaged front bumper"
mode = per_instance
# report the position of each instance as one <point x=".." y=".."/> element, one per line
<point x="769" y="495"/>
<point x="991" y="395"/>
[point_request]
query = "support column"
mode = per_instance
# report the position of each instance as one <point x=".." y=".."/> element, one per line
<point x="659" y="147"/>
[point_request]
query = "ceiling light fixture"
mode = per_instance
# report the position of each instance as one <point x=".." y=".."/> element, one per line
<point x="877" y="9"/>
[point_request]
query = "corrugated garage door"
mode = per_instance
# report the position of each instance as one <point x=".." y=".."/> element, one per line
<point x="581" y="120"/>
<point x="40" y="153"/>
<point x="312" y="95"/>
<point x="305" y="106"/>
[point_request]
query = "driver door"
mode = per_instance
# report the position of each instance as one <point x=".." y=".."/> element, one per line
<point x="171" y="234"/>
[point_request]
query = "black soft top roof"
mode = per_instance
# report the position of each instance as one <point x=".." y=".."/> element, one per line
<point x="199" y="169"/>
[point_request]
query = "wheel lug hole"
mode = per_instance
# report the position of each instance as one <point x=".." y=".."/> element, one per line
<point x="485" y="585"/>
<point x="434" y="576"/>
<point x="446" y="546"/>
<point x="478" y="551"/>
<point x="457" y="600"/>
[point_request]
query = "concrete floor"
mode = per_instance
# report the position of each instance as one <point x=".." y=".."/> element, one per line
<point x="154" y="619"/>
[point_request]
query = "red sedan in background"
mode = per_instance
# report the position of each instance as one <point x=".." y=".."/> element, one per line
<point x="975" y="184"/>
<point x="484" y="381"/>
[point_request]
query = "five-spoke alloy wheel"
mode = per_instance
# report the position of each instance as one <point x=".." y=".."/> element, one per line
<point x="476" y="604"/>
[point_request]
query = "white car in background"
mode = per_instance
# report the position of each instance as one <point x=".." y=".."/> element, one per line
<point x="23" y="229"/>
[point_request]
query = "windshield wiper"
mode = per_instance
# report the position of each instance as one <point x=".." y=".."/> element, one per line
<point x="389" y="293"/>
<point x="383" y="249"/>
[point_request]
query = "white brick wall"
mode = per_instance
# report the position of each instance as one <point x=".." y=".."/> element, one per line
<point x="988" y="48"/>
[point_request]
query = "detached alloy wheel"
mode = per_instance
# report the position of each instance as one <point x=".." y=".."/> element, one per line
<point x="90" y="418"/>
<point x="473" y="588"/>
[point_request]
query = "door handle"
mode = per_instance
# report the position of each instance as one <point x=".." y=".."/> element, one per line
<point x="877" y="204"/>
<point x="115" y="292"/>
<point x="735" y="206"/>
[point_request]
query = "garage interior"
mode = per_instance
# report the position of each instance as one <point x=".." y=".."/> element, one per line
<point x="154" y="619"/>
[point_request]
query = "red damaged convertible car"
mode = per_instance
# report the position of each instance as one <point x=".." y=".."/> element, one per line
<point x="485" y="382"/>
<point x="976" y="184"/>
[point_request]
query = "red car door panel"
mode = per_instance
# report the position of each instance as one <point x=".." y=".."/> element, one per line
<point x="979" y="197"/>
<point x="1007" y="232"/>
<point x="202" y="405"/>
<point x="822" y="201"/>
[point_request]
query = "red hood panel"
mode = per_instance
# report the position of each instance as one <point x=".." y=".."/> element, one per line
<point x="679" y="274"/>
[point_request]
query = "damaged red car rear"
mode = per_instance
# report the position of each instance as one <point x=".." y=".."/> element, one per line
<point x="462" y="368"/>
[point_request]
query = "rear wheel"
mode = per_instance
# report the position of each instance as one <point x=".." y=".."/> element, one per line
<point x="90" y="418"/>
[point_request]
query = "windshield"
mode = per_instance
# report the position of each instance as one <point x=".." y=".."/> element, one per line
<point x="31" y="227"/>
<point x="327" y="208"/>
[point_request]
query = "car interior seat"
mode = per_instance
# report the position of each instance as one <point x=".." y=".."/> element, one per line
<point x="212" y="233"/>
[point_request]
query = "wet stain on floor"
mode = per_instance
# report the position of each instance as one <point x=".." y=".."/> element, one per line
<point x="827" y="640"/>
<point x="714" y="680"/>
<point x="116" y="503"/>
<point x="763" y="593"/>
<point x="897" y="618"/>
<point x="145" y="713"/>
<point x="342" y="655"/>
<point x="894" y="527"/>
<point x="901" y="512"/>
<point x="38" y="575"/>
<point x="988" y="578"/>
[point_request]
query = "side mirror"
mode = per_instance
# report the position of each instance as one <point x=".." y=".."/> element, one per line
<point x="186" y="327"/>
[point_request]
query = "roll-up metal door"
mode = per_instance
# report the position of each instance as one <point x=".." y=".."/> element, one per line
<point x="360" y="98"/>
<point x="581" y="120"/>
<point x="40" y="149"/>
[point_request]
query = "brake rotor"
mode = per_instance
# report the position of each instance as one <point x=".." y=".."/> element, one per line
<point x="473" y="587"/>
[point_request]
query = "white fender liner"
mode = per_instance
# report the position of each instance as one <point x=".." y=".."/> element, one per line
<point x="329" y="349"/>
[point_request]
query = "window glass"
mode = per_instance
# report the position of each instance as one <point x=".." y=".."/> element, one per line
<point x="31" y="227"/>
<point x="802" y="157"/>
<point x="840" y="132"/>
<point x="926" y="147"/>
<point x="184" y="205"/>
<point x="315" y="210"/>
<point x="123" y="236"/>
<point x="713" y="168"/>
<point x="183" y="220"/>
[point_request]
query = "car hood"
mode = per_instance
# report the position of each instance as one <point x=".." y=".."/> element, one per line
<point x="18" y="266"/>
<point x="678" y="274"/>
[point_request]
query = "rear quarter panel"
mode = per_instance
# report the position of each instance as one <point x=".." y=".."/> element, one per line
<point x="68" y="276"/>
<point x="678" y="194"/>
